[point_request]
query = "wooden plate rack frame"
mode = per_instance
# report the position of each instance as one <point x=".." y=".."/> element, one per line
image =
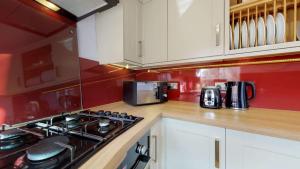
<point x="256" y="8"/>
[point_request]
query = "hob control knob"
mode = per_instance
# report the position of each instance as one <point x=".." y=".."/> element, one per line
<point x="141" y="149"/>
<point x="108" y="113"/>
<point x="130" y="117"/>
<point x="123" y="115"/>
<point x="115" y="114"/>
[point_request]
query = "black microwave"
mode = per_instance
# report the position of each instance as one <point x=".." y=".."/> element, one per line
<point x="145" y="92"/>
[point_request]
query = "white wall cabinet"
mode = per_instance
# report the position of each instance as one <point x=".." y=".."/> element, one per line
<point x="113" y="36"/>
<point x="87" y="39"/>
<point x="195" y="29"/>
<point x="193" y="146"/>
<point x="156" y="145"/>
<point x="154" y="31"/>
<point x="252" y="151"/>
<point x="119" y="33"/>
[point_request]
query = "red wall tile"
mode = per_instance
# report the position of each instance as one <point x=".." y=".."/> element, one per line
<point x="276" y="84"/>
<point x="39" y="65"/>
<point x="102" y="84"/>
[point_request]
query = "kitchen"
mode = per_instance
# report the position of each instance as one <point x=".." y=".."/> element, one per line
<point x="159" y="84"/>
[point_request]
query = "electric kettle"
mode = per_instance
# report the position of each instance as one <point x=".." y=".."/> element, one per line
<point x="237" y="94"/>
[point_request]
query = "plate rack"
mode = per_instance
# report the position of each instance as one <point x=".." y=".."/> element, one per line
<point x="254" y="9"/>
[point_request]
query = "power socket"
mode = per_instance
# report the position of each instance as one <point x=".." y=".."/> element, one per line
<point x="221" y="85"/>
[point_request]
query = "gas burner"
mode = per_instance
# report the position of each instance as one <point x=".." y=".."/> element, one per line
<point x="72" y="118"/>
<point x="9" y="144"/>
<point x="104" y="122"/>
<point x="11" y="134"/>
<point x="66" y="141"/>
<point x="47" y="148"/>
<point x="105" y="129"/>
<point x="48" y="153"/>
<point x="53" y="163"/>
<point x="11" y="139"/>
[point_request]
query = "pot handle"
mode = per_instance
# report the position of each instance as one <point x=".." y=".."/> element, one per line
<point x="252" y="85"/>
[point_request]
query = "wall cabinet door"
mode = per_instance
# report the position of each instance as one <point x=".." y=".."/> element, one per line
<point x="252" y="151"/>
<point x="154" y="31"/>
<point x="193" y="146"/>
<point x="195" y="28"/>
<point x="132" y="30"/>
<point x="156" y="145"/>
<point x="118" y="33"/>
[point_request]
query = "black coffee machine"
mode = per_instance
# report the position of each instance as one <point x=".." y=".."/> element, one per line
<point x="237" y="95"/>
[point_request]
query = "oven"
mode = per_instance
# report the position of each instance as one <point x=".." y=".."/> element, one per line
<point x="138" y="156"/>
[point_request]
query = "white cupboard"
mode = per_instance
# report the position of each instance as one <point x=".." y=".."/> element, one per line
<point x="192" y="146"/>
<point x="113" y="36"/>
<point x="119" y="34"/>
<point x="154" y="31"/>
<point x="87" y="40"/>
<point x="195" y="29"/>
<point x="252" y="151"/>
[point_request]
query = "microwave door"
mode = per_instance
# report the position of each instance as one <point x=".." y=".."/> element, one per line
<point x="147" y="93"/>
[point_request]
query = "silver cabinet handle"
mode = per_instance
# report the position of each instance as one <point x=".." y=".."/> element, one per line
<point x="217" y="153"/>
<point x="155" y="148"/>
<point x="218" y="34"/>
<point x="140" y="48"/>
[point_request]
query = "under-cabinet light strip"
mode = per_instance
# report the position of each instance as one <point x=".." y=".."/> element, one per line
<point x="230" y="64"/>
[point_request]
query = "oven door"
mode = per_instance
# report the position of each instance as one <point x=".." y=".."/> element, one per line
<point x="138" y="155"/>
<point x="142" y="162"/>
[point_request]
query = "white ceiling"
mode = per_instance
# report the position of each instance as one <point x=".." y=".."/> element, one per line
<point x="80" y="7"/>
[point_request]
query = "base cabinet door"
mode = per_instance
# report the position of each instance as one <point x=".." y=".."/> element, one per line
<point x="190" y="145"/>
<point x="252" y="151"/>
<point x="156" y="145"/>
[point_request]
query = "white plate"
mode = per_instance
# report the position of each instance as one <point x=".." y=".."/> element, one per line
<point x="236" y="35"/>
<point x="270" y="26"/>
<point x="230" y="38"/>
<point x="261" y="32"/>
<point x="252" y="33"/>
<point x="280" y="28"/>
<point x="244" y="34"/>
<point x="298" y="30"/>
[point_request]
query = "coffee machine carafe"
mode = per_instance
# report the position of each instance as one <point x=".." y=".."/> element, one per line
<point x="237" y="95"/>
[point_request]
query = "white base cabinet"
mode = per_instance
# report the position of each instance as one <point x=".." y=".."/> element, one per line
<point x="177" y="144"/>
<point x="156" y="145"/>
<point x="252" y="151"/>
<point x="189" y="145"/>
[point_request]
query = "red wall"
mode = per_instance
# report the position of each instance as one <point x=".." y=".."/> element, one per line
<point x="39" y="65"/>
<point x="277" y="85"/>
<point x="102" y="84"/>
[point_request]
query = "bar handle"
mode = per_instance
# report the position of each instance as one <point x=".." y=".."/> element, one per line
<point x="217" y="153"/>
<point x="155" y="148"/>
<point x="218" y="34"/>
<point x="140" y="48"/>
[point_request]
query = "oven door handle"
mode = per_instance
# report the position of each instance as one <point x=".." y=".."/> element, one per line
<point x="141" y="159"/>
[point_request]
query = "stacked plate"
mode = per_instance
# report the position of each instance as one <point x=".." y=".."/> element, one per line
<point x="266" y="32"/>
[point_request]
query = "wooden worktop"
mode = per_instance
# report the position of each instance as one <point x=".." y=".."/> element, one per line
<point x="276" y="123"/>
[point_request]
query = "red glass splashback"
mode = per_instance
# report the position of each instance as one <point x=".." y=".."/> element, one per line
<point x="102" y="84"/>
<point x="276" y="84"/>
<point x="39" y="65"/>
